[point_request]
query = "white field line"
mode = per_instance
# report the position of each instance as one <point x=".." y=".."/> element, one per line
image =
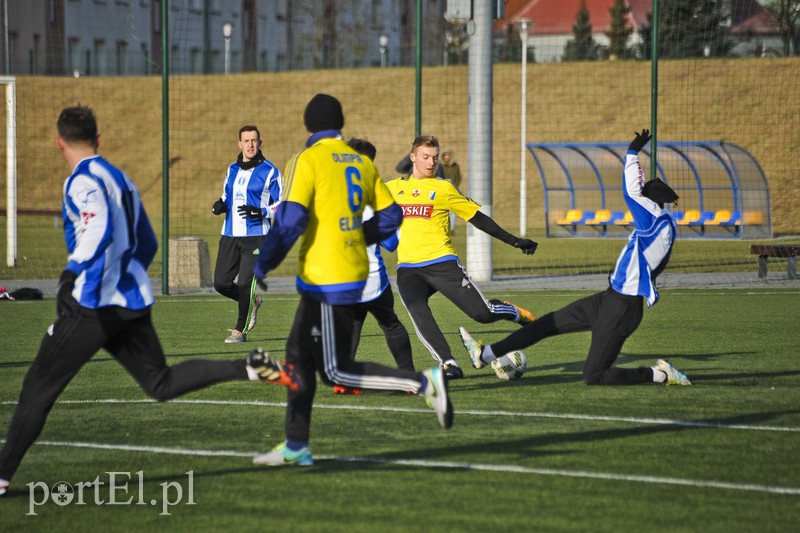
<point x="794" y="491"/>
<point x="289" y="298"/>
<point x="474" y="412"/>
<point x="559" y="293"/>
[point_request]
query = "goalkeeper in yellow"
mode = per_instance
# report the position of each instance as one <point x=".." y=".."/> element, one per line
<point x="427" y="262"/>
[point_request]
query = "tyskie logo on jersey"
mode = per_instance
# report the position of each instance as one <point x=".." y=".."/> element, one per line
<point x="417" y="211"/>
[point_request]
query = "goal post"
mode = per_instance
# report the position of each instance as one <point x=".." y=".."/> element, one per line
<point x="10" y="83"/>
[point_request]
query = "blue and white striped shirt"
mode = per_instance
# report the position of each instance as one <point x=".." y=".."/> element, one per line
<point x="109" y="237"/>
<point x="378" y="279"/>
<point x="260" y="186"/>
<point x="649" y="245"/>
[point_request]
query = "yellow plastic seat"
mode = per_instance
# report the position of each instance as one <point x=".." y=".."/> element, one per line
<point x="720" y="217"/>
<point x="573" y="215"/>
<point x="690" y="216"/>
<point x="626" y="220"/>
<point x="752" y="217"/>
<point x="602" y="216"/>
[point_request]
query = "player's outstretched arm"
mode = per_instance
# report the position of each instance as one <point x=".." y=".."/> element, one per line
<point x="639" y="141"/>
<point x="487" y="225"/>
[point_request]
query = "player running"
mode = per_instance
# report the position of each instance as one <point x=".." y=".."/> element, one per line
<point x="328" y="186"/>
<point x="104" y="298"/>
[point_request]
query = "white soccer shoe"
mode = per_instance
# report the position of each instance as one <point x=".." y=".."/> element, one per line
<point x="474" y="348"/>
<point x="674" y="376"/>
<point x="436" y="396"/>
<point x="254" y="312"/>
<point x="281" y="455"/>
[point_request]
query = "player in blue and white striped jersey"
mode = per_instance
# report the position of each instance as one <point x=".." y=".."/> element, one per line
<point x="614" y="314"/>
<point x="104" y="298"/>
<point x="250" y="197"/>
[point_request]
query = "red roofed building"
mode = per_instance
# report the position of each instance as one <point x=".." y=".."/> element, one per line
<point x="553" y="21"/>
<point x="755" y="29"/>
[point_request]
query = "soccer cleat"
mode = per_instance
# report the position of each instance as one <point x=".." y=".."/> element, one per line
<point x="4" y="486"/>
<point x="452" y="371"/>
<point x="236" y="336"/>
<point x="674" y="376"/>
<point x="436" y="396"/>
<point x="523" y="315"/>
<point x="281" y="455"/>
<point x="341" y="389"/>
<point x="254" y="312"/>
<point x="474" y="348"/>
<point x="271" y="371"/>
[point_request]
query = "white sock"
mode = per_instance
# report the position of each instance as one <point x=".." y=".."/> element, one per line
<point x="252" y="375"/>
<point x="487" y="354"/>
<point x="659" y="376"/>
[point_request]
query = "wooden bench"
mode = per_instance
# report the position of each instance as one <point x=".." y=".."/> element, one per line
<point x="789" y="251"/>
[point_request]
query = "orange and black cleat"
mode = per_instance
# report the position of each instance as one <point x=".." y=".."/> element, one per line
<point x="271" y="371"/>
<point x="524" y="316"/>
<point x="341" y="389"/>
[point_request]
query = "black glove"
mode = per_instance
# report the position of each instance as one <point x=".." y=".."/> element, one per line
<point x="527" y="246"/>
<point x="640" y="140"/>
<point x="219" y="207"/>
<point x="65" y="302"/>
<point x="262" y="283"/>
<point x="249" y="211"/>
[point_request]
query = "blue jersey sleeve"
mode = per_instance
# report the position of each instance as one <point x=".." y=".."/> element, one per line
<point x="291" y="221"/>
<point x="391" y="242"/>
<point x="146" y="242"/>
<point x="383" y="224"/>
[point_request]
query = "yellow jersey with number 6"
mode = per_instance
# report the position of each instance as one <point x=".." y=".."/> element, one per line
<point x="334" y="183"/>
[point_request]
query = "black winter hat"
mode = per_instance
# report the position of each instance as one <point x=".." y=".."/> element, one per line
<point x="323" y="112"/>
<point x="659" y="192"/>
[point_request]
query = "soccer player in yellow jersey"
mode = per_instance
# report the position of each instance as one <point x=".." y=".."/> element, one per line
<point x="427" y="262"/>
<point x="326" y="188"/>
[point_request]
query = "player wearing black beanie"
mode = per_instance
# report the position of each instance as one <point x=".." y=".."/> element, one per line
<point x="323" y="112"/>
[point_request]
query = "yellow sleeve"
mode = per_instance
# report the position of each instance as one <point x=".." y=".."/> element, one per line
<point x="463" y="207"/>
<point x="298" y="181"/>
<point x="383" y="197"/>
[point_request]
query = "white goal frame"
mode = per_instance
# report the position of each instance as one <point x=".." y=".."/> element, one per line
<point x="11" y="168"/>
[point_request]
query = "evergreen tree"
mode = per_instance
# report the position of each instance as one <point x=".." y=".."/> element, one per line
<point x="787" y="12"/>
<point x="582" y="47"/>
<point x="619" y="33"/>
<point x="689" y="28"/>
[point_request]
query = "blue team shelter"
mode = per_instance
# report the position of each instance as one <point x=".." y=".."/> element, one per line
<point x="722" y="187"/>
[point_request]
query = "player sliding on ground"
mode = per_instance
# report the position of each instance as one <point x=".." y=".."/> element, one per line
<point x="427" y="261"/>
<point x="104" y="298"/>
<point x="614" y="314"/>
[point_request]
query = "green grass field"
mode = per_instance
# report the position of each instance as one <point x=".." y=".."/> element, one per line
<point x="545" y="453"/>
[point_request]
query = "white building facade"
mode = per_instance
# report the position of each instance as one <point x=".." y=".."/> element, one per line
<point x="124" y="37"/>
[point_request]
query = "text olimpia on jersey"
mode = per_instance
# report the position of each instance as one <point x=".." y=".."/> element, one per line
<point x="335" y="184"/>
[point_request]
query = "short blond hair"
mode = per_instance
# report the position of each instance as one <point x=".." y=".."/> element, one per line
<point x="424" y="140"/>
